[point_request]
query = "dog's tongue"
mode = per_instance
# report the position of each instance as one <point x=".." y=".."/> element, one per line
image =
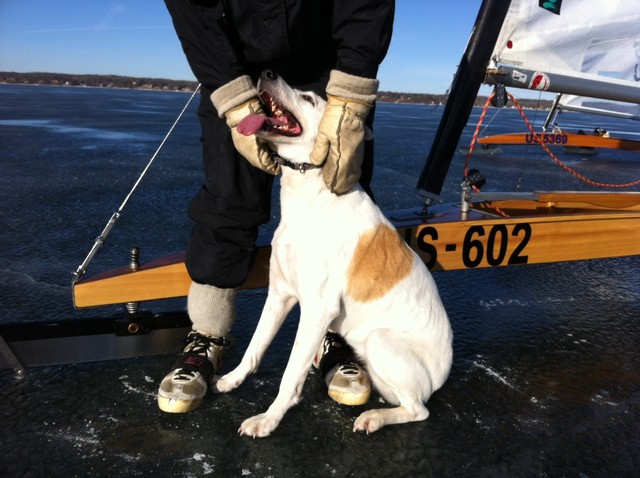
<point x="252" y="123"/>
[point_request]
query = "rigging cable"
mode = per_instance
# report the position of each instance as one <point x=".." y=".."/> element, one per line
<point x="100" y="240"/>
<point x="544" y="146"/>
<point x="473" y="142"/>
<point x="563" y="165"/>
<point x="476" y="133"/>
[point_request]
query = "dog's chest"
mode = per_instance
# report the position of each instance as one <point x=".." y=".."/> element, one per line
<point x="311" y="240"/>
<point x="316" y="235"/>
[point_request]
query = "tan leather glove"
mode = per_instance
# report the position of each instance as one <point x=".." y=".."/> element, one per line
<point x="235" y="101"/>
<point x="342" y="130"/>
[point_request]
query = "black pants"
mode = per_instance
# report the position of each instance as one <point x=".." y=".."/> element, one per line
<point x="236" y="197"/>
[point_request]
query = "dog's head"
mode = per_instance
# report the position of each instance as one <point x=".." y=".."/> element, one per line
<point x="292" y="117"/>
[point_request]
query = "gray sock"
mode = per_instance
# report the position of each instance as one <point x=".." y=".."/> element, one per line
<point x="212" y="310"/>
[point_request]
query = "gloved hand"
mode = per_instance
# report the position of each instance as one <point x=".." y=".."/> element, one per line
<point x="342" y="130"/>
<point x="235" y="101"/>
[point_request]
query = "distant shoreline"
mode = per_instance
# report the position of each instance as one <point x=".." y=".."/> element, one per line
<point x="161" y="84"/>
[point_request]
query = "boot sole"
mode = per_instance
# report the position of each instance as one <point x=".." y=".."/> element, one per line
<point x="347" y="398"/>
<point x="177" y="406"/>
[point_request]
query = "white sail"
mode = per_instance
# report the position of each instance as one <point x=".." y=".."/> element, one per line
<point x="590" y="42"/>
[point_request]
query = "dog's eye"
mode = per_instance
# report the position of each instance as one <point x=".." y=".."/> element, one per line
<point x="309" y="99"/>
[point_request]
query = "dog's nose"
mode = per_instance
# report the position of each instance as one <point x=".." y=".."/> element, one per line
<point x="268" y="75"/>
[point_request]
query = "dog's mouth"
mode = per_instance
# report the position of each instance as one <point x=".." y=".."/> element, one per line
<point x="277" y="120"/>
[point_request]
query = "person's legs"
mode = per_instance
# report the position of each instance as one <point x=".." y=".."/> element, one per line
<point x="227" y="211"/>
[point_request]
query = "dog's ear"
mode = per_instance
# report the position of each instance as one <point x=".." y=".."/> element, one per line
<point x="368" y="134"/>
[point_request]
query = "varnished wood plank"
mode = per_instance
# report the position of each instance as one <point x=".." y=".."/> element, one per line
<point x="163" y="278"/>
<point x="564" y="139"/>
<point x="443" y="240"/>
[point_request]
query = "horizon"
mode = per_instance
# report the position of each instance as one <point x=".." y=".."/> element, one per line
<point x="193" y="80"/>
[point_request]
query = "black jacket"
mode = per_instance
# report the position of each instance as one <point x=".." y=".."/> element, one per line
<point x="304" y="38"/>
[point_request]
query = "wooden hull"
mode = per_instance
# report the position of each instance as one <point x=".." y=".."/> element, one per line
<point x="563" y="139"/>
<point x="552" y="227"/>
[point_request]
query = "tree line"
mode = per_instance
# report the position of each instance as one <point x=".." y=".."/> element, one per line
<point x="100" y="81"/>
<point x="116" y="81"/>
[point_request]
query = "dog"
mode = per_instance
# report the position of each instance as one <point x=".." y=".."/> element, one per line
<point x="344" y="262"/>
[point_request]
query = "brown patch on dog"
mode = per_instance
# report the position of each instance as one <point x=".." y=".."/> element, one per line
<point x="380" y="261"/>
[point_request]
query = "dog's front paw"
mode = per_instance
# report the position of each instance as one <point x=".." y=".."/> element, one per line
<point x="226" y="383"/>
<point x="259" y="426"/>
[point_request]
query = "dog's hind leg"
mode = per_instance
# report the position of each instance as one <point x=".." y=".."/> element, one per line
<point x="410" y="410"/>
<point x="276" y="309"/>
<point x="399" y="374"/>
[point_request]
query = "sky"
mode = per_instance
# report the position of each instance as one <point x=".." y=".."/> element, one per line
<point x="136" y="38"/>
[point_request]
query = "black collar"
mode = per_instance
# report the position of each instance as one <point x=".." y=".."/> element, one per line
<point x="301" y="167"/>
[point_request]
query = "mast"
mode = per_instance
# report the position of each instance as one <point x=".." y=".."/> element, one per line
<point x="466" y="84"/>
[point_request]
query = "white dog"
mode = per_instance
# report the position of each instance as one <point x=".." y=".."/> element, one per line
<point x="346" y="265"/>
